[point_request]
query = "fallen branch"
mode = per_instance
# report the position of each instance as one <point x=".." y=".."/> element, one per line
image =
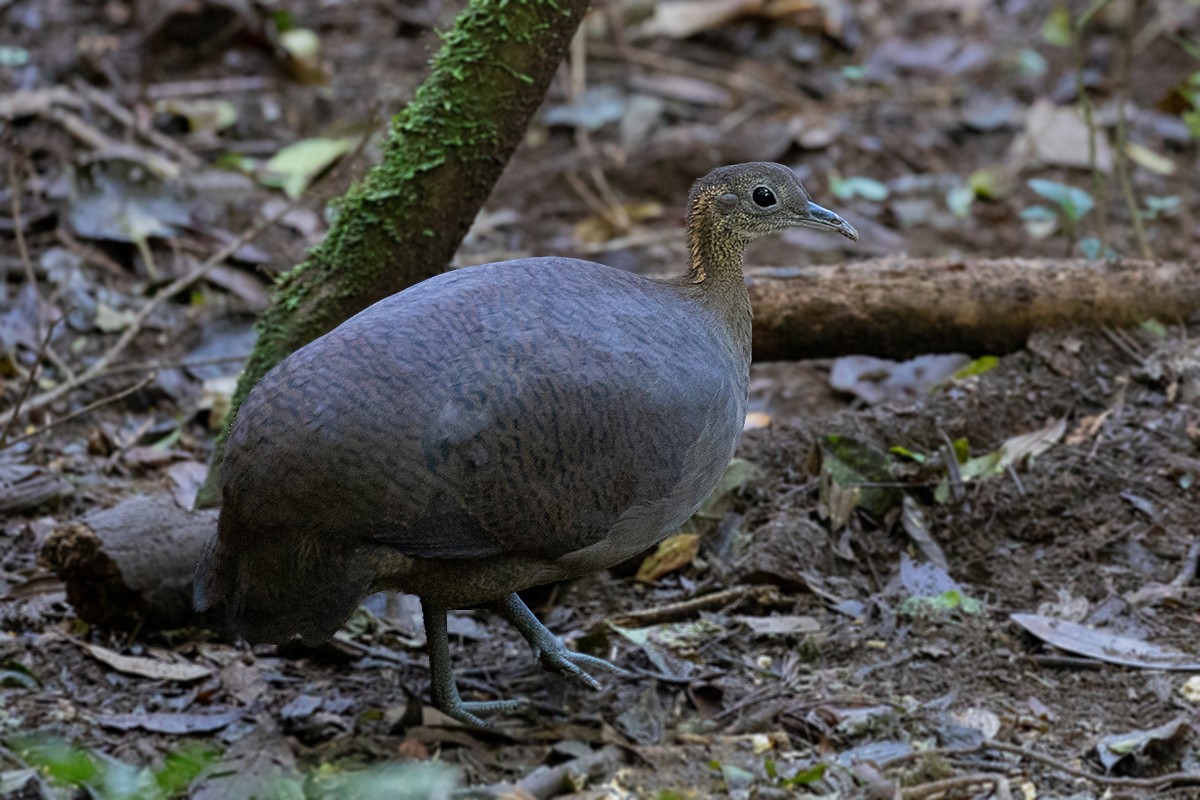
<point x="1159" y="783"/>
<point x="899" y="308"/>
<point x="546" y="782"/>
<point x="686" y="609"/>
<point x="961" y="783"/>
<point x="130" y="566"/>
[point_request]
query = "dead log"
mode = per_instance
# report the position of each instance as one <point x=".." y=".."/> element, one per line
<point x="130" y="566"/>
<point x="900" y="308"/>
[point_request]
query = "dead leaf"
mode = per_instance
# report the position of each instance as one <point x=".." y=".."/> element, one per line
<point x="1088" y="427"/>
<point x="148" y="667"/>
<point x="679" y="19"/>
<point x="782" y="625"/>
<point x="244" y="285"/>
<point x="693" y="91"/>
<point x="879" y="380"/>
<point x="1056" y="136"/>
<point x="172" y="723"/>
<point x="674" y="552"/>
<point x="1030" y="445"/>
<point x="916" y="525"/>
<point x="1102" y="646"/>
<point x="1149" y="743"/>
<point x="982" y="720"/>
<point x="755" y="420"/>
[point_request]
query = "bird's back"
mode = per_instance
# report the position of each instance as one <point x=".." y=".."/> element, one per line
<point x="539" y="418"/>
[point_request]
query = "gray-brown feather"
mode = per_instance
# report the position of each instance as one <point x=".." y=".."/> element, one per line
<point x="486" y="430"/>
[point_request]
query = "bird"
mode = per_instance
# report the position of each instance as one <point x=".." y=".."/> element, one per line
<point x="491" y="429"/>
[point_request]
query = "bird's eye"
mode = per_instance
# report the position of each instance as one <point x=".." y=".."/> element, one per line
<point x="763" y="197"/>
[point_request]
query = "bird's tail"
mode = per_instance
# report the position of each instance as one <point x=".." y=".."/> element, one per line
<point x="275" y="589"/>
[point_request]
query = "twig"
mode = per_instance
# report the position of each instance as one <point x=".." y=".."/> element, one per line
<point x="940" y="788"/>
<point x="689" y="608"/>
<point x="90" y="255"/>
<point x="200" y="88"/>
<point x="183" y="363"/>
<point x="735" y="81"/>
<point x="1122" y="163"/>
<point x="15" y="188"/>
<point x="545" y="782"/>
<point x="1099" y="179"/>
<point x="1160" y="782"/>
<point x="97" y="140"/>
<point x="162" y="295"/>
<point x="123" y="116"/>
<point x="1187" y="573"/>
<point x="89" y="408"/>
<point x="28" y="385"/>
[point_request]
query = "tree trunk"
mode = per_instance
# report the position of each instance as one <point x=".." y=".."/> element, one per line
<point x="444" y="151"/>
<point x="899" y="308"/>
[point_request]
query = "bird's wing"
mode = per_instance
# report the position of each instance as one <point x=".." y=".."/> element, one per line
<point x="547" y="458"/>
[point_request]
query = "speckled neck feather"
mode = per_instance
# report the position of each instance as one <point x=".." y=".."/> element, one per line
<point x="714" y="277"/>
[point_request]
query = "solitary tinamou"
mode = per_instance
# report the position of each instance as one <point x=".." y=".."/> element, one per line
<point x="491" y="429"/>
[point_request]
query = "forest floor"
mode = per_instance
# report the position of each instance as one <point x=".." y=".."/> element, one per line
<point x="927" y="582"/>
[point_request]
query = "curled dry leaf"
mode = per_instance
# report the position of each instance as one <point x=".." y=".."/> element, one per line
<point x="1103" y="646"/>
<point x="673" y="553"/>
<point x="148" y="667"/>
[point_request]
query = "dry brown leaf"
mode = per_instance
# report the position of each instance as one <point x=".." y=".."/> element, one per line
<point x="679" y="19"/>
<point x="1087" y="428"/>
<point x="148" y="667"/>
<point x="673" y="553"/>
<point x="756" y="419"/>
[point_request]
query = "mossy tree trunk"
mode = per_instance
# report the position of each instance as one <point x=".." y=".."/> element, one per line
<point x="444" y="151"/>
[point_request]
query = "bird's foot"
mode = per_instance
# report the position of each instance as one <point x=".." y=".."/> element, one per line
<point x="467" y="712"/>
<point x="546" y="646"/>
<point x="555" y="656"/>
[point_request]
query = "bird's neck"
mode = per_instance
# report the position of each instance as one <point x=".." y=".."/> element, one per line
<point x="714" y="277"/>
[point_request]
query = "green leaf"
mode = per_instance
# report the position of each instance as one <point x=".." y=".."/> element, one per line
<point x="1161" y="206"/>
<point x="13" y="56"/>
<point x="181" y="767"/>
<point x="977" y="367"/>
<point x="981" y="466"/>
<point x="854" y="464"/>
<point x="1154" y="328"/>
<point x="805" y="777"/>
<point x="736" y="778"/>
<point x="1091" y="247"/>
<point x="1056" y="30"/>
<point x="294" y="167"/>
<point x="1074" y="202"/>
<point x="857" y="186"/>
<point x="1031" y="63"/>
<point x="904" y="452"/>
<point x="63" y="763"/>
<point x="1040" y="221"/>
<point x="940" y="605"/>
<point x="960" y="199"/>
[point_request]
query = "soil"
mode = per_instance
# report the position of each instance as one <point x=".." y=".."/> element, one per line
<point x="873" y="652"/>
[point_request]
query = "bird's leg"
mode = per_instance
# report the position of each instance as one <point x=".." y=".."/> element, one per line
<point x="546" y="646"/>
<point x="441" y="677"/>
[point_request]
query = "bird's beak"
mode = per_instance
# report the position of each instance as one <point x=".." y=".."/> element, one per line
<point x="822" y="219"/>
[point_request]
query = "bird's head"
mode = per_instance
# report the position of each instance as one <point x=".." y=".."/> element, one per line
<point x="746" y="201"/>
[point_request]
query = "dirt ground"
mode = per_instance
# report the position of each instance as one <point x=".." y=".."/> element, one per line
<point x="869" y="610"/>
